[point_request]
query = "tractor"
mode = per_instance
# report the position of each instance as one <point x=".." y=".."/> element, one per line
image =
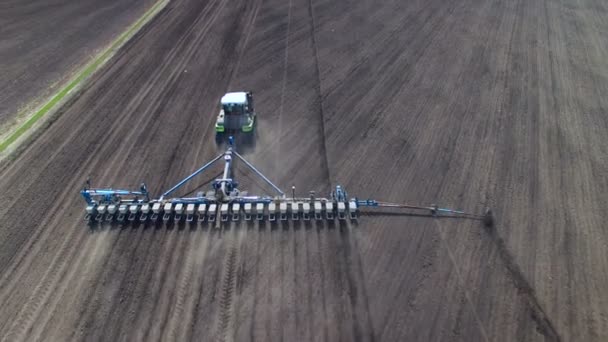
<point x="237" y="113"/>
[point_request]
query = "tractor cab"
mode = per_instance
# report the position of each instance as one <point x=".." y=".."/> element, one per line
<point x="237" y="112"/>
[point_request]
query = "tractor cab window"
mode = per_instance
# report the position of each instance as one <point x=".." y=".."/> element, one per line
<point x="233" y="108"/>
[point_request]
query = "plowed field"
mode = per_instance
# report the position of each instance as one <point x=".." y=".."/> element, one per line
<point x="462" y="103"/>
<point x="43" y="43"/>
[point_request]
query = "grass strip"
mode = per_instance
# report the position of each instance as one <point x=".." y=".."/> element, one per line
<point x="83" y="74"/>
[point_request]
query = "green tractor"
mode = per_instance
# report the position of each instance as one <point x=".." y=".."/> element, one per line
<point x="237" y="113"/>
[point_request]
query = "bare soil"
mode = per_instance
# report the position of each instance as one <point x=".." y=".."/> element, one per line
<point x="42" y="43"/>
<point x="465" y="103"/>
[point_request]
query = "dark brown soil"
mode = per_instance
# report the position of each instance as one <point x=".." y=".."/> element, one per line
<point x="462" y="103"/>
<point x="42" y="44"/>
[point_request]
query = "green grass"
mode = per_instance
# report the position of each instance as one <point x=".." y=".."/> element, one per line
<point x="83" y="74"/>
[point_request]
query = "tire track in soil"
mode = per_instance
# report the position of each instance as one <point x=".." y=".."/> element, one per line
<point x="280" y="305"/>
<point x="338" y="267"/>
<point x="196" y="307"/>
<point x="84" y="263"/>
<point x="44" y="42"/>
<point x="437" y="26"/>
<point x="285" y="64"/>
<point x="274" y="325"/>
<point x="245" y="278"/>
<point x="113" y="134"/>
<point x="288" y="300"/>
<point x="336" y="305"/>
<point x="263" y="232"/>
<point x="225" y="315"/>
<point x="216" y="14"/>
<point x="138" y="294"/>
<point x="322" y="230"/>
<point x="113" y="245"/>
<point x="310" y="314"/>
<point x="220" y="314"/>
<point x="116" y="132"/>
<point x="167" y="297"/>
<point x="426" y="250"/>
<point x="524" y="289"/>
<point x="194" y="310"/>
<point x="23" y="266"/>
<point x="91" y="303"/>
<point x="295" y="228"/>
<point x="543" y="324"/>
<point x="248" y="30"/>
<point x="102" y="299"/>
<point x="454" y="139"/>
<point x="163" y="294"/>
<point x="116" y="122"/>
<point x="433" y="17"/>
<point x="71" y="137"/>
<point x="110" y="315"/>
<point x="462" y="283"/>
<point x="42" y="291"/>
<point x="357" y="283"/>
<point x="182" y="290"/>
<point x="227" y="292"/>
<point x="176" y="315"/>
<point x="157" y="226"/>
<point x="321" y="113"/>
<point x="183" y="43"/>
<point x="355" y="288"/>
<point x="204" y="319"/>
<point x="350" y="327"/>
<point x="315" y="278"/>
<point x="174" y="66"/>
<point x="284" y="310"/>
<point x="256" y="272"/>
<point x="348" y="288"/>
<point x="372" y="54"/>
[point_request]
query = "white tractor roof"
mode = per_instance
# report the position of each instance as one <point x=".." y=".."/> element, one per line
<point x="236" y="97"/>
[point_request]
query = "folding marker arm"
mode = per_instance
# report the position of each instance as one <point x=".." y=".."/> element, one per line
<point x="432" y="208"/>
<point x="108" y="194"/>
